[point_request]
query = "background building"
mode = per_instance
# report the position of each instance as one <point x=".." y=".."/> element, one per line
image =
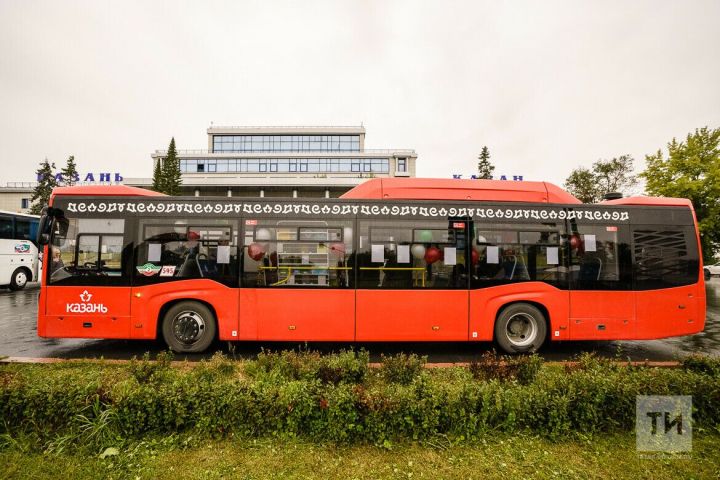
<point x="261" y="162"/>
<point x="15" y="196"/>
<point x="284" y="162"/>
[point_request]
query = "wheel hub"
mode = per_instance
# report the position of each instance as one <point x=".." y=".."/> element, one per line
<point x="521" y="329"/>
<point x="188" y="327"/>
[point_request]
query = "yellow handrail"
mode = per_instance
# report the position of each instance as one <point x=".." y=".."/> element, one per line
<point x="289" y="270"/>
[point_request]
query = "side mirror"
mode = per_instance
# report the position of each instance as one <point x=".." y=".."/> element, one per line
<point x="44" y="229"/>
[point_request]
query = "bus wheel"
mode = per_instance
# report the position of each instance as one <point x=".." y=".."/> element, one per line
<point x="189" y="327"/>
<point x="520" y="328"/>
<point x="19" y="279"/>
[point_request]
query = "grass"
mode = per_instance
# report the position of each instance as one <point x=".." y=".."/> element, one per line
<point x="502" y="457"/>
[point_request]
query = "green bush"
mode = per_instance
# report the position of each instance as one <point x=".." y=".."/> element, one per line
<point x="523" y="368"/>
<point x="401" y="368"/>
<point x="333" y="398"/>
<point x="346" y="366"/>
<point x="702" y="364"/>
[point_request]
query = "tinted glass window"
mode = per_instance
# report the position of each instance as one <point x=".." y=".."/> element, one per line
<point x="88" y="251"/>
<point x="412" y="254"/>
<point x="6" y="227"/>
<point x="298" y="253"/>
<point x="665" y="257"/>
<point x="600" y="257"/>
<point x="517" y="253"/>
<point x="168" y="250"/>
<point x="23" y="229"/>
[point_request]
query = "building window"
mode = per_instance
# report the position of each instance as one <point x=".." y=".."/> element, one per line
<point x="25" y="203"/>
<point x="201" y="168"/>
<point x="402" y="165"/>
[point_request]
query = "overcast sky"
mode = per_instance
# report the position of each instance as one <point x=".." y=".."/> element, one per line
<point x="547" y="86"/>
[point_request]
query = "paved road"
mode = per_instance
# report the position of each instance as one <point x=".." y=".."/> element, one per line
<point x="18" y="338"/>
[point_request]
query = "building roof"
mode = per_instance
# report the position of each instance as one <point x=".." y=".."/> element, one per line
<point x="457" y="189"/>
<point x="230" y="130"/>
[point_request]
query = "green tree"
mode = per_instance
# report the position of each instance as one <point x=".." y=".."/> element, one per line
<point x="157" y="181"/>
<point x="581" y="183"/>
<point x="46" y="182"/>
<point x="171" y="176"/>
<point x="691" y="170"/>
<point x="485" y="168"/>
<point x="615" y="175"/>
<point x="70" y="174"/>
<point x="606" y="176"/>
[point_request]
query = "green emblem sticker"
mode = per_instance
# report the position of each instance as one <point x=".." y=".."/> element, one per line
<point x="148" y="269"/>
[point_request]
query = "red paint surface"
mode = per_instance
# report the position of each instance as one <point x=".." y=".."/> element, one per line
<point x="456" y="189"/>
<point x="412" y="315"/>
<point x="297" y="314"/>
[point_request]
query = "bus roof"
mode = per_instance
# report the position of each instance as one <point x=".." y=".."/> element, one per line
<point x="105" y="191"/>
<point x="16" y="214"/>
<point x="457" y="189"/>
<point x="651" y="201"/>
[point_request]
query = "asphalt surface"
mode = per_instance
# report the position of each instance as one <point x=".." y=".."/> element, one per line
<point x="18" y="338"/>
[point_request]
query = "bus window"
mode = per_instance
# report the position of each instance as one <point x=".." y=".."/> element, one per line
<point x="665" y="257"/>
<point x="23" y="229"/>
<point x="600" y="257"/>
<point x="169" y="250"/>
<point x="291" y="253"/>
<point x="515" y="253"/>
<point x="87" y="251"/>
<point x="412" y="254"/>
<point x="6" y="228"/>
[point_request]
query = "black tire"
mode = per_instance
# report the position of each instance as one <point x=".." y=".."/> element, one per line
<point x="19" y="279"/>
<point x="707" y="273"/>
<point x="520" y="328"/>
<point x="189" y="327"/>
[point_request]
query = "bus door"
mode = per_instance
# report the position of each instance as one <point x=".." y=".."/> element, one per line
<point x="297" y="280"/>
<point x="88" y="287"/>
<point x="602" y="302"/>
<point x="412" y="280"/>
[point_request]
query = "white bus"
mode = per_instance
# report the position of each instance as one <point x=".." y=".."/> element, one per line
<point x="18" y="252"/>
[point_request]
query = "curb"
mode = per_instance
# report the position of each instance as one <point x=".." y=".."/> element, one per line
<point x="568" y="363"/>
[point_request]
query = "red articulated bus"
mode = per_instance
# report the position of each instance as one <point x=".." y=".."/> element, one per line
<point x="518" y="263"/>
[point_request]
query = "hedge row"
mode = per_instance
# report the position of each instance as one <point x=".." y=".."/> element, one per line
<point x="338" y="398"/>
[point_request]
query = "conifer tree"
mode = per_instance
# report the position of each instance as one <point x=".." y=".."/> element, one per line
<point x="157" y="181"/>
<point x="485" y="168"/>
<point x="171" y="176"/>
<point x="70" y="174"/>
<point x="46" y="182"/>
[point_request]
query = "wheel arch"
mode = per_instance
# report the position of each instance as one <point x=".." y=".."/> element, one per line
<point x="170" y="303"/>
<point x="540" y="306"/>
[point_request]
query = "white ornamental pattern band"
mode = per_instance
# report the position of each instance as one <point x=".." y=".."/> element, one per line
<point x="493" y="213"/>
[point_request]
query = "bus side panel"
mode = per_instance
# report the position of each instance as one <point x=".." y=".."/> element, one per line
<point x="412" y="315"/>
<point x="290" y="314"/>
<point x="669" y="312"/>
<point x="486" y="303"/>
<point x="86" y="312"/>
<point x="41" y="317"/>
<point x="42" y="297"/>
<point x="602" y="315"/>
<point x="147" y="301"/>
